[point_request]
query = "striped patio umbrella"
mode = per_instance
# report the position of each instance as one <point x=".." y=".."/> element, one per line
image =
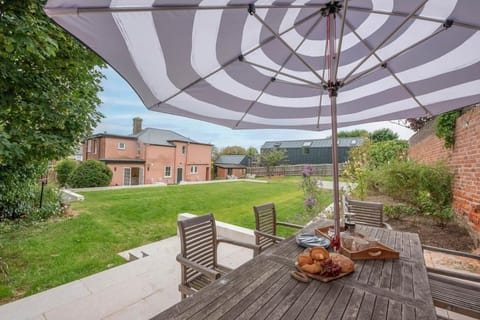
<point x="286" y="64"/>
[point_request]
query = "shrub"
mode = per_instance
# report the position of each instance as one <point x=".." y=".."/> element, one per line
<point x="64" y="170"/>
<point x="398" y="211"/>
<point x="426" y="187"/>
<point x="385" y="152"/>
<point x="91" y="173"/>
<point x="50" y="203"/>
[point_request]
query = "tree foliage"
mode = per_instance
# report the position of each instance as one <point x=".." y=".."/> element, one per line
<point x="48" y="84"/>
<point x="64" y="170"/>
<point x="91" y="173"/>
<point x="272" y="157"/>
<point x="353" y="133"/>
<point x="417" y="123"/>
<point x="383" y="134"/>
<point x="252" y="151"/>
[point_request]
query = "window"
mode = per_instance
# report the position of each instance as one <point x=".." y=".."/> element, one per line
<point x="168" y="172"/>
<point x="306" y="150"/>
<point x="193" y="169"/>
<point x="95" y="146"/>
<point x="184" y="149"/>
<point x="121" y="146"/>
<point x="89" y="146"/>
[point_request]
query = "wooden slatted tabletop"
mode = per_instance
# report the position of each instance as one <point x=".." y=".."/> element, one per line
<point x="263" y="289"/>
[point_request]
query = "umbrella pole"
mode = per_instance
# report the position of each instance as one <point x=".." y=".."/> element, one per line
<point x="336" y="193"/>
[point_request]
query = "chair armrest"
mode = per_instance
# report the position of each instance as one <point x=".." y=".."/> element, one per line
<point x="288" y="224"/>
<point x="453" y="252"/>
<point x="453" y="274"/>
<point x="210" y="273"/>
<point x="240" y="244"/>
<point x="268" y="235"/>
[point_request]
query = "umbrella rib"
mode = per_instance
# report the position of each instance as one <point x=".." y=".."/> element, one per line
<point x="401" y="14"/>
<point x="276" y="35"/>
<point x="372" y="52"/>
<point x="339" y="51"/>
<point x="277" y="72"/>
<point x="52" y="12"/>
<point x="383" y="62"/>
<point x="321" y="93"/>
<point x="391" y="72"/>
<point x="313" y="84"/>
<point x="266" y="41"/>
<point x="253" y="102"/>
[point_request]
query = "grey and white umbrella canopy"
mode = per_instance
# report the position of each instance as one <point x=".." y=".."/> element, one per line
<point x="266" y="65"/>
<point x="282" y="64"/>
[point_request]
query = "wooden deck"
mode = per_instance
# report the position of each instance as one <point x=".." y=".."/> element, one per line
<point x="263" y="288"/>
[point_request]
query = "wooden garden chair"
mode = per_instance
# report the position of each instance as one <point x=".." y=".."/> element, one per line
<point x="452" y="290"/>
<point x="198" y="257"/>
<point x="266" y="226"/>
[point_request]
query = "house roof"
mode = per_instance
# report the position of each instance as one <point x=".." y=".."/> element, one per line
<point x="312" y="143"/>
<point x="230" y="166"/>
<point x="230" y="159"/>
<point x="160" y="137"/>
<point x="153" y="136"/>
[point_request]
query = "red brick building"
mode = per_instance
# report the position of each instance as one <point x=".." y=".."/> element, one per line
<point x="463" y="159"/>
<point x="150" y="156"/>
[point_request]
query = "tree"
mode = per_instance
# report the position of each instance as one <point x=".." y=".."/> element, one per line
<point x="383" y="135"/>
<point x="233" y="150"/>
<point x="272" y="157"/>
<point x="49" y="84"/>
<point x="252" y="151"/>
<point x="353" y="134"/>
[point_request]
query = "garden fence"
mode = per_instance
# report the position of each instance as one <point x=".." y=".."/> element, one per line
<point x="323" y="170"/>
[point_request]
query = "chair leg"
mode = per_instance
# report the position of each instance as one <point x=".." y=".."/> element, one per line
<point x="183" y="295"/>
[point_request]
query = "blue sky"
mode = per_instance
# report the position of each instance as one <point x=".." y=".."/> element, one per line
<point x="121" y="104"/>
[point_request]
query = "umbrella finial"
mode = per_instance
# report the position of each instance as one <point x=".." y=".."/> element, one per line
<point x="251" y="9"/>
<point x="448" y="23"/>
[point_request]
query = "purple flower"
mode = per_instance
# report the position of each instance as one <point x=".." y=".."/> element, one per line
<point x="307" y="170"/>
<point x="309" y="202"/>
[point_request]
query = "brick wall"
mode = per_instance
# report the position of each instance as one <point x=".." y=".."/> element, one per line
<point x="463" y="159"/>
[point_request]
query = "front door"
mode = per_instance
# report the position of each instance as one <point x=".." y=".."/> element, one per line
<point x="179" y="175"/>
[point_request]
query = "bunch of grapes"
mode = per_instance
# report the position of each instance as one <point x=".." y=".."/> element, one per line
<point x="330" y="268"/>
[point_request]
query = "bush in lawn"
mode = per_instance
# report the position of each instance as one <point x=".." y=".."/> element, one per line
<point x="384" y="152"/>
<point x="91" y="173"/>
<point x="64" y="170"/>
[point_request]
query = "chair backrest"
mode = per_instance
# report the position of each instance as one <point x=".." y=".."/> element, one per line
<point x="368" y="213"/>
<point x="265" y="221"/>
<point x="198" y="239"/>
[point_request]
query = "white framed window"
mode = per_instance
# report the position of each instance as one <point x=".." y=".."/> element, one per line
<point x="184" y="149"/>
<point x="89" y="146"/>
<point x="95" y="146"/>
<point x="193" y="169"/>
<point x="168" y="172"/>
<point x="121" y="146"/>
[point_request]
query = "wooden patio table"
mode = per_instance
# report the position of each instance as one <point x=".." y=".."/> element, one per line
<point x="263" y="288"/>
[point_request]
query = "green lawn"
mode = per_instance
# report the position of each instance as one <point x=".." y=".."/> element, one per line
<point x="49" y="254"/>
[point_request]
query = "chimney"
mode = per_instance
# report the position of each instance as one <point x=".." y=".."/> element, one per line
<point x="137" y="125"/>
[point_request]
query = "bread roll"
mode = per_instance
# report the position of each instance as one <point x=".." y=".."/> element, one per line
<point x="319" y="253"/>
<point x="304" y="258"/>
<point x="345" y="263"/>
<point x="315" y="267"/>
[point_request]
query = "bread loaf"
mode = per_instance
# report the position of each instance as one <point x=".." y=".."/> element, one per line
<point x="345" y="263"/>
<point x="315" y="267"/>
